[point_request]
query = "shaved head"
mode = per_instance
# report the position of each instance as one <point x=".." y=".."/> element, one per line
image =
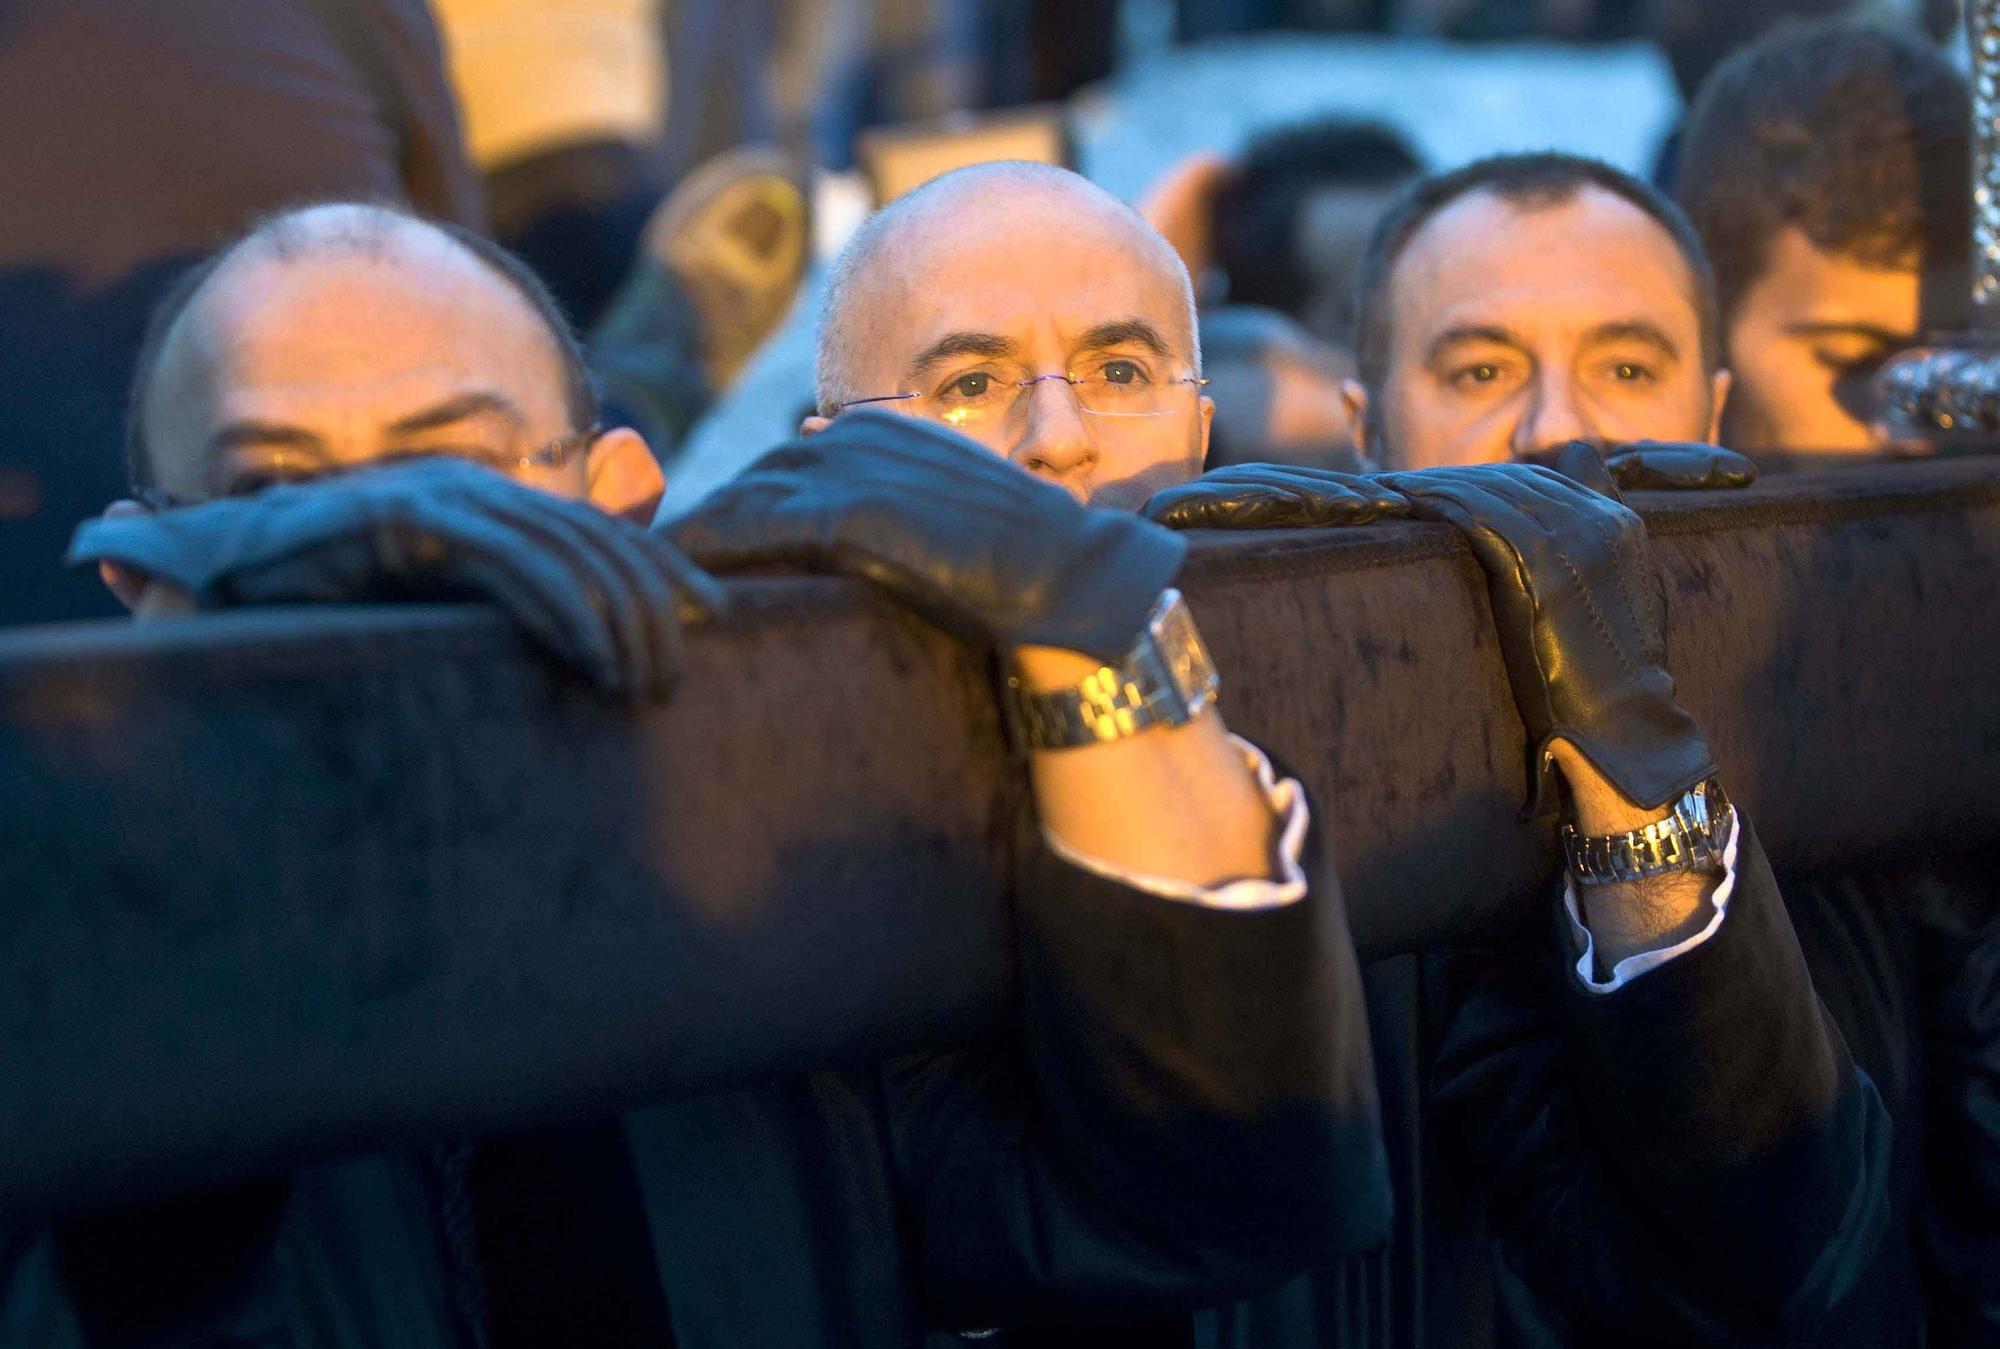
<point x="192" y="332"/>
<point x="913" y="241"/>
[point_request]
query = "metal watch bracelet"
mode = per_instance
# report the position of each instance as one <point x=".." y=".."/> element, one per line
<point x="1688" y="840"/>
<point x="1166" y="679"/>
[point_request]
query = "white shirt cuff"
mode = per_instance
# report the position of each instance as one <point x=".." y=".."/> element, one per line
<point x="1288" y="803"/>
<point x="1631" y="967"/>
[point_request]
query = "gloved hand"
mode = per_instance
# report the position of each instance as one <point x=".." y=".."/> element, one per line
<point x="953" y="530"/>
<point x="597" y="592"/>
<point x="1580" y="624"/>
<point x="1657" y="465"/>
<point x="1274" y="496"/>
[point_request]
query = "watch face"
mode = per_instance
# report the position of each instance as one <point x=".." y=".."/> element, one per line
<point x="1179" y="644"/>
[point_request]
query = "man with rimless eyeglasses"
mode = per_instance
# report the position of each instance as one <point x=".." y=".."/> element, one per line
<point x="1059" y="336"/>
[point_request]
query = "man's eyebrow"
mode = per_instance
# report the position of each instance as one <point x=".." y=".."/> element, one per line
<point x="1835" y="328"/>
<point x="1635" y="330"/>
<point x="1125" y="332"/>
<point x="990" y="345"/>
<point x="239" y="435"/>
<point x="1466" y="333"/>
<point x="457" y="410"/>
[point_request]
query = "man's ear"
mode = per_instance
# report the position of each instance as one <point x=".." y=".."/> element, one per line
<point x="1355" y="398"/>
<point x="1207" y="425"/>
<point x="814" y="424"/>
<point x="129" y="586"/>
<point x="625" y="478"/>
<point x="1719" y="398"/>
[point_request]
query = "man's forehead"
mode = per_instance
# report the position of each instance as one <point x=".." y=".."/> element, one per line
<point x="358" y="319"/>
<point x="1018" y="271"/>
<point x="1583" y="260"/>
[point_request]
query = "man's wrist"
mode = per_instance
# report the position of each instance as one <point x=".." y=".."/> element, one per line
<point x="1048" y="669"/>
<point x="1064" y="700"/>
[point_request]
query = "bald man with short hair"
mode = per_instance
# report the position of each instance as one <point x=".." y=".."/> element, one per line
<point x="1005" y="273"/>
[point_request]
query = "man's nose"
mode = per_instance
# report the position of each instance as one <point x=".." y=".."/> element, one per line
<point x="1056" y="441"/>
<point x="1554" y="416"/>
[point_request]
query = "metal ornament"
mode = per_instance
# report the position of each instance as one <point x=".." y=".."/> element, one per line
<point x="1949" y="388"/>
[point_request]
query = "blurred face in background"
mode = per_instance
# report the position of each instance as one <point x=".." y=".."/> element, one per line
<point x="1805" y="341"/>
<point x="1514" y="331"/>
<point x="1278" y="392"/>
<point x="1035" y="282"/>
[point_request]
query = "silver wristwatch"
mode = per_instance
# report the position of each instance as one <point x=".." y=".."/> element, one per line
<point x="1690" y="839"/>
<point x="1166" y="679"/>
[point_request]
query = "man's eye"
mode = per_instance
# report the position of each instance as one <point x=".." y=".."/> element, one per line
<point x="475" y="453"/>
<point x="1483" y="373"/>
<point x="1631" y="372"/>
<point x="1123" y="372"/>
<point x="248" y="481"/>
<point x="974" y="385"/>
<point x="1851" y="360"/>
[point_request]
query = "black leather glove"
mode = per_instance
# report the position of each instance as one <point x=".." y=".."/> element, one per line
<point x="1274" y="496"/>
<point x="953" y="530"/>
<point x="1580" y="624"/>
<point x="600" y="593"/>
<point x="1654" y="466"/>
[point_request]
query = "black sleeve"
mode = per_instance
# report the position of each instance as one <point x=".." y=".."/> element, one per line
<point x="1956" y="943"/>
<point x="1692" y="1156"/>
<point x="1188" y="1114"/>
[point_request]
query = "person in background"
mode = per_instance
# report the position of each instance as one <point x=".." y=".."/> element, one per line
<point x="199" y="116"/>
<point x="1293" y="219"/>
<point x="1278" y="392"/>
<point x="1522" y="302"/>
<point x="1827" y="171"/>
<point x="565" y="112"/>
<point x="1283" y="224"/>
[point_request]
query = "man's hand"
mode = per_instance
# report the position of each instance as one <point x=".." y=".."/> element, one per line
<point x="1000" y="557"/>
<point x="1653" y="466"/>
<point x="1579" y="622"/>
<point x="599" y="593"/>
<point x="1275" y="496"/>
<point x="953" y="530"/>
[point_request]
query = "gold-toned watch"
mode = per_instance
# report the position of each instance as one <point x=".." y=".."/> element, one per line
<point x="1166" y="679"/>
<point x="1689" y="839"/>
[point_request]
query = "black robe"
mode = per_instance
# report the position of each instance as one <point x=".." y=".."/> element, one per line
<point x="1182" y="1110"/>
<point x="1705" y="1157"/>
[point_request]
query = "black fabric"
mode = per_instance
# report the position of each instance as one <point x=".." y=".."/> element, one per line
<point x="138" y="137"/>
<point x="1691" y="1160"/>
<point x="341" y="1255"/>
<point x="1145" y="1139"/>
<point x="562" y="1241"/>
<point x="1955" y="949"/>
<point x="576" y="214"/>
